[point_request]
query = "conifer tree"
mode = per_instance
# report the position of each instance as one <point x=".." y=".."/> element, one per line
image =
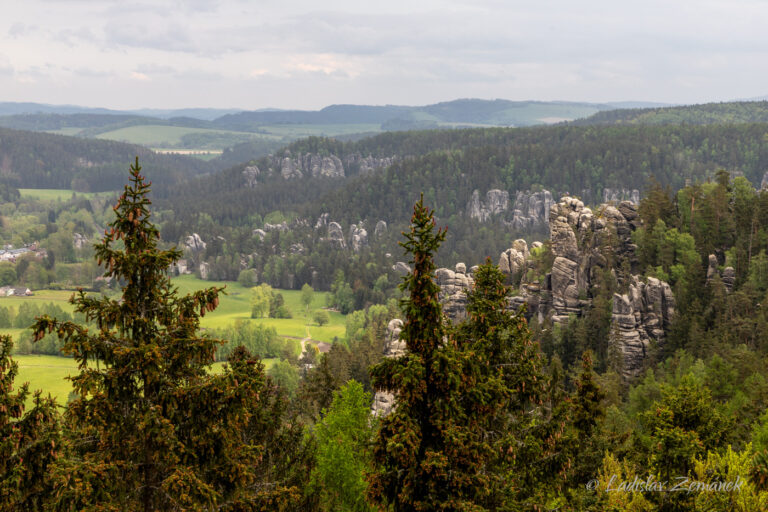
<point x="517" y="424"/>
<point x="28" y="442"/>
<point x="425" y="457"/>
<point x="151" y="429"/>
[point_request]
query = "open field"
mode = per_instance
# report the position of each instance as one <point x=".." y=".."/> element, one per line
<point x="162" y="136"/>
<point x="49" y="374"/>
<point x="297" y="131"/>
<point x="236" y="305"/>
<point x="232" y="306"/>
<point x="52" y="194"/>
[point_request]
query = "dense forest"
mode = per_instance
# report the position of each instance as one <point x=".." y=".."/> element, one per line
<point x="493" y="413"/>
<point x="708" y="113"/>
<point x="39" y="160"/>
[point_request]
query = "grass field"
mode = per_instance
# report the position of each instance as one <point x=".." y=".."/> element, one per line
<point x="49" y="374"/>
<point x="52" y="194"/>
<point x="232" y="306"/>
<point x="172" y="136"/>
<point x="236" y="305"/>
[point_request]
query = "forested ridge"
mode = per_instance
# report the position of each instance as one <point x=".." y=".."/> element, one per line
<point x="41" y="160"/>
<point x="735" y="112"/>
<point x="449" y="164"/>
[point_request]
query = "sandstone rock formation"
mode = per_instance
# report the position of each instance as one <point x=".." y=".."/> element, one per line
<point x="453" y="286"/>
<point x="728" y="276"/>
<point x="336" y="235"/>
<point x="194" y="243"/>
<point x="640" y="317"/>
<point x="250" y="174"/>
<point x="496" y="202"/>
<point x="384" y="401"/>
<point x="531" y="210"/>
<point x="615" y="195"/>
<point x="358" y="237"/>
<point x="328" y="166"/>
<point x="79" y="240"/>
<point x="584" y="245"/>
<point x="380" y="229"/>
<point x="401" y="268"/>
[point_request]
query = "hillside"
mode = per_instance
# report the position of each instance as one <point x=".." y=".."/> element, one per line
<point x="709" y="113"/>
<point x="41" y="160"/>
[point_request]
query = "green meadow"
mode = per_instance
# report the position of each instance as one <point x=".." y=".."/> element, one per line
<point x="161" y="136"/>
<point x="236" y="304"/>
<point x="48" y="373"/>
<point x="52" y="194"/>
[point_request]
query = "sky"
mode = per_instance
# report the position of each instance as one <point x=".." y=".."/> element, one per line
<point x="253" y="54"/>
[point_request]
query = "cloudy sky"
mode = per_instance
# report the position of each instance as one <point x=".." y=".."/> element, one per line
<point x="307" y="54"/>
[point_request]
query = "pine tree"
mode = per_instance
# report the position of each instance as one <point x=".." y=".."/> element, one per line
<point x="151" y="429"/>
<point x="424" y="454"/>
<point x="29" y="442"/>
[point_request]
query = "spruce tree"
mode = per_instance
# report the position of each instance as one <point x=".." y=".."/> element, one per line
<point x="518" y="427"/>
<point x="29" y="442"/>
<point x="425" y="456"/>
<point x="151" y="428"/>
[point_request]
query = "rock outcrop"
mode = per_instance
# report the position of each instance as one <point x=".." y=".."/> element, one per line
<point x="531" y="210"/>
<point x="615" y="195"/>
<point x="384" y="401"/>
<point x="336" y="235"/>
<point x="358" y="237"/>
<point x="79" y="240"/>
<point x="528" y="211"/>
<point x="727" y="277"/>
<point x="640" y="317"/>
<point x="586" y="246"/>
<point x="250" y="175"/>
<point x="328" y="166"/>
<point x="194" y="243"/>
<point x="380" y="229"/>
<point x="496" y="202"/>
<point x="453" y="286"/>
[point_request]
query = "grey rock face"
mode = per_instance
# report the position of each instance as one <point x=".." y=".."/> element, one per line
<point x="531" y="209"/>
<point x="322" y="220"/>
<point x="401" y="268"/>
<point x="764" y="182"/>
<point x="260" y="233"/>
<point x="309" y="164"/>
<point x="194" y="243"/>
<point x="384" y="401"/>
<point x="640" y="318"/>
<point x="496" y="202"/>
<point x="250" y="174"/>
<point x="79" y="240"/>
<point x="358" y="237"/>
<point x="283" y="226"/>
<point x="336" y="235"/>
<point x="368" y="164"/>
<point x="727" y="277"/>
<point x="513" y="259"/>
<point x="584" y="245"/>
<point x="380" y="229"/>
<point x="615" y="195"/>
<point x="205" y="269"/>
<point x="453" y="286"/>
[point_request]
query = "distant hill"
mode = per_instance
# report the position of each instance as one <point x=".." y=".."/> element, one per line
<point x="735" y="112"/>
<point x="42" y="160"/>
